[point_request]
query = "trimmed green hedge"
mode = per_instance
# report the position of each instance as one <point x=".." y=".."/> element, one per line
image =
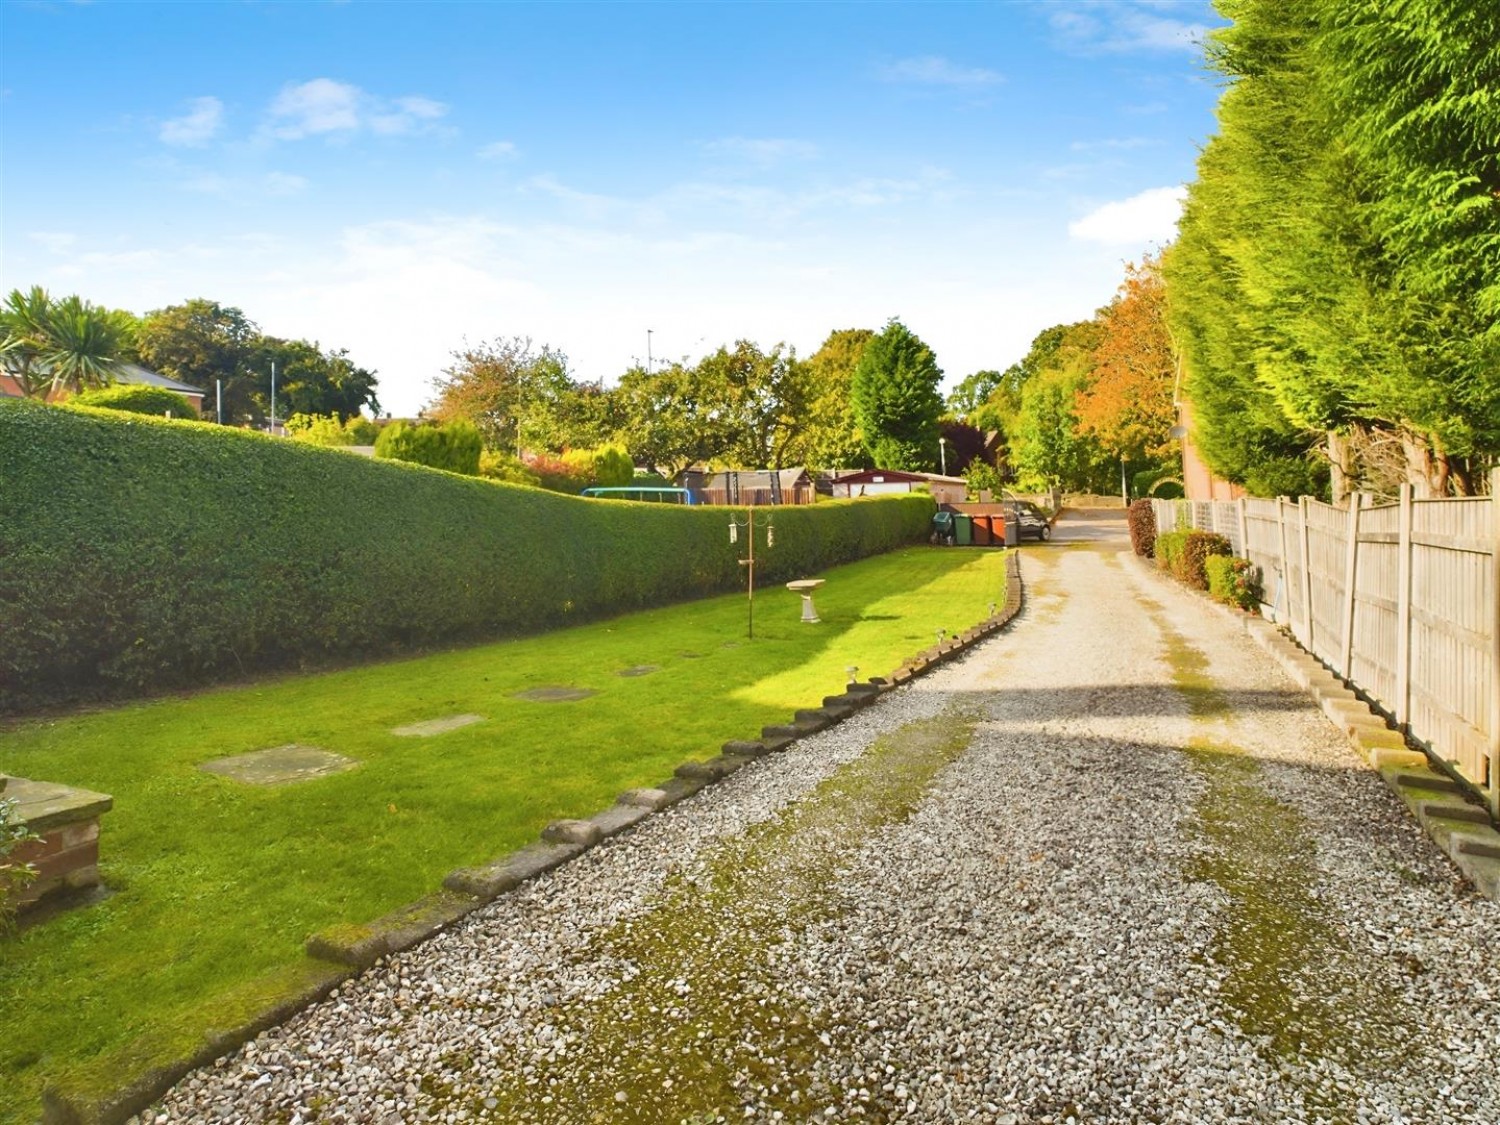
<point x="137" y="398"/>
<point x="138" y="554"/>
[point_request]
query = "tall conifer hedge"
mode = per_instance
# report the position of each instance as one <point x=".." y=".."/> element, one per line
<point x="138" y="554"/>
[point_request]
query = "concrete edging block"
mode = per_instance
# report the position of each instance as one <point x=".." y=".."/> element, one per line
<point x="361" y="946"/>
<point x="653" y="799"/>
<point x="568" y="831"/>
<point x="492" y="880"/>
<point x="618" y="817"/>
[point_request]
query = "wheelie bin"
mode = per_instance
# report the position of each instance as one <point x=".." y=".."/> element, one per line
<point x="942" y="529"/>
<point x="963" y="529"/>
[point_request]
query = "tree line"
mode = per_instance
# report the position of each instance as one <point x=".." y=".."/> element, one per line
<point x="69" y="345"/>
<point x="862" y="398"/>
<point x="1085" y="397"/>
<point x="1334" y="290"/>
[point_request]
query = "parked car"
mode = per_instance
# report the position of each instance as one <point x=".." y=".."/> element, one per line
<point x="1030" y="522"/>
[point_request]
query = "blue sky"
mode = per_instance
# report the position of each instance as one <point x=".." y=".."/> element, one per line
<point x="396" y="179"/>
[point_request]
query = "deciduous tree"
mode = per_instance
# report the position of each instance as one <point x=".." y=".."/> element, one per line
<point x="1126" y="404"/>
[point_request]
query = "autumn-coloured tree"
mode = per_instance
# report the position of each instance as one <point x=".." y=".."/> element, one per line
<point x="1127" y="403"/>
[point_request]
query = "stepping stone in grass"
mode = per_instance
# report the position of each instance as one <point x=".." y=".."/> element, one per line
<point x="555" y="694"/>
<point x="690" y="655"/>
<point x="280" y="765"/>
<point x="437" y="726"/>
<point x="638" y="670"/>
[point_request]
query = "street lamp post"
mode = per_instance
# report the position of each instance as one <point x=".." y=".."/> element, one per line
<point x="943" y="453"/>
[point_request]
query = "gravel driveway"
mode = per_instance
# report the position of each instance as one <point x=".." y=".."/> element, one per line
<point x="1109" y="867"/>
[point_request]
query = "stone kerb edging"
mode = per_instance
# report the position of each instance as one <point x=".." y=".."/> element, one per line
<point x="342" y="952"/>
<point x="1447" y="810"/>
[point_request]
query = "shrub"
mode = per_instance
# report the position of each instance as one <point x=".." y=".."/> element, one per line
<point x="454" y="446"/>
<point x="608" y="466"/>
<point x="1142" y="520"/>
<point x="556" y="474"/>
<point x="14" y="877"/>
<point x="219" y="551"/>
<point x="495" y="465"/>
<point x="1167" y="548"/>
<point x="1196" y="547"/>
<point x="134" y="398"/>
<point x="1234" y="581"/>
<point x="330" y="430"/>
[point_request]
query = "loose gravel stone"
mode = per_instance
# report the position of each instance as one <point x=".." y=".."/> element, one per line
<point x="1107" y="867"/>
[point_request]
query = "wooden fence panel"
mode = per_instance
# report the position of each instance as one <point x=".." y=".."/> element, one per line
<point x="1328" y="547"/>
<point x="1291" y="570"/>
<point x="1401" y="599"/>
<point x="1453" y="618"/>
<point x="1377" y="572"/>
<point x="1263" y="548"/>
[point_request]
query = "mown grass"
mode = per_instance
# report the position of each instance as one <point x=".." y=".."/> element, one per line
<point x="216" y="885"/>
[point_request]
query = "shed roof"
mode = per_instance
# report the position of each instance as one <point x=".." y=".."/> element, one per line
<point x="874" y="476"/>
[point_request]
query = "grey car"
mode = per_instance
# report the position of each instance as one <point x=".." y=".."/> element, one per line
<point x="1029" y="520"/>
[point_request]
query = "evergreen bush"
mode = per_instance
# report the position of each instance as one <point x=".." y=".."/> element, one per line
<point x="454" y="446"/>
<point x="138" y="554"/>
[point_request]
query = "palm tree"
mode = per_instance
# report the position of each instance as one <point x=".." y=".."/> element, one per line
<point x="24" y="337"/>
<point x="84" y="342"/>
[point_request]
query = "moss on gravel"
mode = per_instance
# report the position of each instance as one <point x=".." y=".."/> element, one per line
<point x="1291" y="982"/>
<point x="698" y="1020"/>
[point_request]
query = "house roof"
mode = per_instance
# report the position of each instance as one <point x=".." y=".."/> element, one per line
<point x="749" y="478"/>
<point x="869" y="476"/>
<point x="135" y="373"/>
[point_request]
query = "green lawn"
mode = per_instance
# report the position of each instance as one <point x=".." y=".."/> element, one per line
<point x="217" y="884"/>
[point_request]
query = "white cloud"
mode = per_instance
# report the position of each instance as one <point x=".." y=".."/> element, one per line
<point x="1150" y="216"/>
<point x="934" y="70"/>
<point x="761" y="150"/>
<point x="316" y="107"/>
<point x="407" y="115"/>
<point x="197" y="126"/>
<point x="499" y="150"/>
<point x="1096" y="27"/>
<point x="325" y="107"/>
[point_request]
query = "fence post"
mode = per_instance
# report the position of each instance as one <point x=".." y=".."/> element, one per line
<point x="1239" y="509"/>
<point x="1494" y="778"/>
<point x="1281" y="562"/>
<point x="1307" y="611"/>
<point x="1351" y="574"/>
<point x="1403" y="614"/>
